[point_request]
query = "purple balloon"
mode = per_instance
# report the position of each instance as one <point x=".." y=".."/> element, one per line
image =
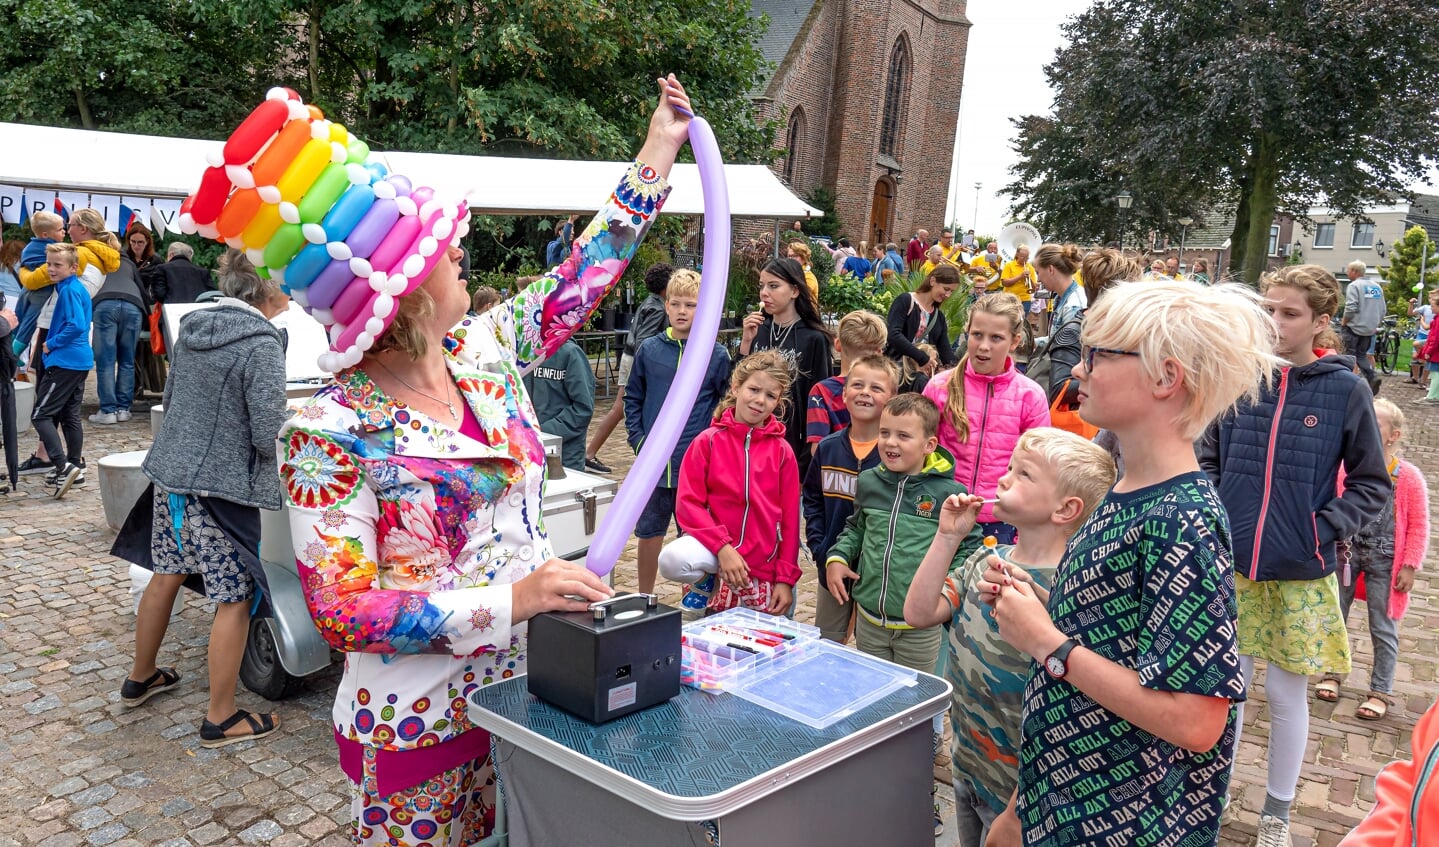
<point x="624" y="512"/>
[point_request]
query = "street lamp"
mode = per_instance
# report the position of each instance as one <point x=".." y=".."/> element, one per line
<point x="1124" y="200"/>
<point x="976" y="208"/>
<point x="1184" y="223"/>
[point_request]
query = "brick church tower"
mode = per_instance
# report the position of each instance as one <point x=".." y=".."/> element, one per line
<point x="867" y="95"/>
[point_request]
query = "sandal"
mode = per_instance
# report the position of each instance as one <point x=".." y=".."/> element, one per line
<point x="212" y="736"/>
<point x="134" y="693"/>
<point x="1374" y="708"/>
<point x="1328" y="689"/>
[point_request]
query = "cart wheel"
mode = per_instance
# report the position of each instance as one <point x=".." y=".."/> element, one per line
<point x="260" y="669"/>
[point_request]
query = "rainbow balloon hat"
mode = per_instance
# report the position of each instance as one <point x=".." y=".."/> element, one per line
<point x="314" y="210"/>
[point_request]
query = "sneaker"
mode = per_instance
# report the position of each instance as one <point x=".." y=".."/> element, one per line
<point x="122" y="415"/>
<point x="103" y="418"/>
<point x="698" y="595"/>
<point x="35" y="465"/>
<point x="64" y="480"/>
<point x="594" y="464"/>
<point x="1423" y="401"/>
<point x="1273" y="832"/>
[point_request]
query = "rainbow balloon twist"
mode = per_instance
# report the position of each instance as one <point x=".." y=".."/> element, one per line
<point x="312" y="209"/>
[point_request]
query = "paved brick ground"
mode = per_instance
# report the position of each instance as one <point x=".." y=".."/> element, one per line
<point x="79" y="769"/>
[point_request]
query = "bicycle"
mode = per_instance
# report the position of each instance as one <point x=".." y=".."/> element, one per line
<point x="1386" y="344"/>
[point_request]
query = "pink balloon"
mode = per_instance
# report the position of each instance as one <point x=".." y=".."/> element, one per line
<point x="624" y="512"/>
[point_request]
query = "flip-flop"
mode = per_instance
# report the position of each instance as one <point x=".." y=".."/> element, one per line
<point x="134" y="693"/>
<point x="1373" y="713"/>
<point x="1327" y="689"/>
<point x="212" y="735"/>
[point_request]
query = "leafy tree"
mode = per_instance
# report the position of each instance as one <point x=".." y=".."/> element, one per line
<point x="827" y="224"/>
<point x="1402" y="274"/>
<point x="1269" y="105"/>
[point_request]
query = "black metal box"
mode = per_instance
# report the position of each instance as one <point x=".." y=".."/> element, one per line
<point x="621" y="656"/>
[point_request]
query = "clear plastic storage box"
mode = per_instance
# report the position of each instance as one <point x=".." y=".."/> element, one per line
<point x="721" y="649"/>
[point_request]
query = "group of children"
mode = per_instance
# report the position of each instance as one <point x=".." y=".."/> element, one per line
<point x="1099" y="633"/>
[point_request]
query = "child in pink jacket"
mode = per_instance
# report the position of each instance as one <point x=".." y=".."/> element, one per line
<point x="738" y="499"/>
<point x="980" y="424"/>
<point x="1384" y="554"/>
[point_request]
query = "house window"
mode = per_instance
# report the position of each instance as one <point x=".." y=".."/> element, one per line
<point x="1363" y="236"/>
<point x="1324" y="236"/>
<point x="1274" y="239"/>
<point x="896" y="98"/>
<point x="791" y="144"/>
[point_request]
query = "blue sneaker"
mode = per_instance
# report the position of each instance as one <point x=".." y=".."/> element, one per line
<point x="699" y="594"/>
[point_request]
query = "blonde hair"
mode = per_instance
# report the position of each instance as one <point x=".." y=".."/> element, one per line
<point x="683" y="283"/>
<point x="802" y="251"/>
<point x="1081" y="468"/>
<point x="1103" y="268"/>
<point x="911" y="367"/>
<point x="862" y="332"/>
<point x="771" y="362"/>
<point x="484" y="298"/>
<point x="1064" y="257"/>
<point x="1387" y="409"/>
<point x="1004" y="305"/>
<point x="881" y="363"/>
<point x="407" y="333"/>
<point x="95" y="223"/>
<point x="1320" y="290"/>
<point x="68" y="251"/>
<point x="1219" y="335"/>
<point x="919" y="405"/>
<point x="45" y="222"/>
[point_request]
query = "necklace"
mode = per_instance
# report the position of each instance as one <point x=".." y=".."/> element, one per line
<point x="778" y="340"/>
<point x="449" y="403"/>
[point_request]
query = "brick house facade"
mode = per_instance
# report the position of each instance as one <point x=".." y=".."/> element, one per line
<point x="867" y="98"/>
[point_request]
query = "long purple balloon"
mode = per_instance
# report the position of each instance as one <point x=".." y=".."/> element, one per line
<point x="624" y="512"/>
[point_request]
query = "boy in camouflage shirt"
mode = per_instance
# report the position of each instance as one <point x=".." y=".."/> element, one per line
<point x="1054" y="481"/>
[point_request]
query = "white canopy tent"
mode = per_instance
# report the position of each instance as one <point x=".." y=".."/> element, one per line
<point x="140" y="168"/>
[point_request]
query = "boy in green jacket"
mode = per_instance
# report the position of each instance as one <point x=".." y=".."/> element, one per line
<point x="896" y="515"/>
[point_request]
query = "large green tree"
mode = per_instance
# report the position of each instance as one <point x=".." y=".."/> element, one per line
<point x="1263" y="105"/>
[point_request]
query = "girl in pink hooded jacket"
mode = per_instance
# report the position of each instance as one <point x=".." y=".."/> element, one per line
<point x="738" y="498"/>
<point x="981" y="422"/>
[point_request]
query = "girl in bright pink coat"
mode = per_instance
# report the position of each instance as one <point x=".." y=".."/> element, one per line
<point x="738" y="498"/>
<point x="981" y="424"/>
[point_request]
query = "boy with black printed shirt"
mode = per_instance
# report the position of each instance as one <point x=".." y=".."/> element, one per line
<point x="1129" y="713"/>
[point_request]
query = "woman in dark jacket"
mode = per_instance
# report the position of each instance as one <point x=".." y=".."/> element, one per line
<point x="214" y="467"/>
<point x="916" y="319"/>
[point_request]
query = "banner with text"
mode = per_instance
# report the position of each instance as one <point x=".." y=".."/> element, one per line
<point x="18" y="204"/>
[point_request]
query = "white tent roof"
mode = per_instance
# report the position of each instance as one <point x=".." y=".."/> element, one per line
<point x="60" y="159"/>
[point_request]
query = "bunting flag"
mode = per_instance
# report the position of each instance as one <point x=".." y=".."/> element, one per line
<point x="24" y="209"/>
<point x="127" y="216"/>
<point x="60" y="210"/>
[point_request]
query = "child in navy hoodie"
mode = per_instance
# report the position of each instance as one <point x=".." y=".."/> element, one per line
<point x="48" y="229"/>
<point x="829" y="485"/>
<point x="738" y="498"/>
<point x="657" y="360"/>
<point x="68" y="361"/>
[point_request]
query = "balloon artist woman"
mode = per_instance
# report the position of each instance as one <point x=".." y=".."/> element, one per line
<point x="414" y="485"/>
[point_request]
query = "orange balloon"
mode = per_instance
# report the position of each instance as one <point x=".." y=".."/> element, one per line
<point x="238" y="212"/>
<point x="281" y="152"/>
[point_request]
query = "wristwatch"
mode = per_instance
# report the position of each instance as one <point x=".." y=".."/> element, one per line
<point x="1056" y="664"/>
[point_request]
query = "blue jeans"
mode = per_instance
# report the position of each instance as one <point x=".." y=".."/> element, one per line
<point x="116" y="328"/>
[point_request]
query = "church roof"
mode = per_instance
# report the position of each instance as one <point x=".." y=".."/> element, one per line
<point x="786" y="23"/>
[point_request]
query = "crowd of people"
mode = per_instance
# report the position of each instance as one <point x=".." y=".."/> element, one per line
<point x="71" y="307"/>
<point x="1092" y="542"/>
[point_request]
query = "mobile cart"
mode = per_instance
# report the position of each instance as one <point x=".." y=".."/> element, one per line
<point x="703" y="767"/>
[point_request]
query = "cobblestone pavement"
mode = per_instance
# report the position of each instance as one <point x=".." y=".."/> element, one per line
<point x="77" y="768"/>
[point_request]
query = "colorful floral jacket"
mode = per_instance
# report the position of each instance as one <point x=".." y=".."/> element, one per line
<point x="408" y="534"/>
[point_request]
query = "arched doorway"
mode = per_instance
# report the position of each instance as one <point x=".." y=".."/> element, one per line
<point x="881" y="212"/>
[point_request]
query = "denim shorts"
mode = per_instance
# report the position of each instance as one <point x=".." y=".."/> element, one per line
<point x="654" y="521"/>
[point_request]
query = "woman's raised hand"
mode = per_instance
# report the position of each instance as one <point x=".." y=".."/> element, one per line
<point x="553" y="587"/>
<point x="669" y="126"/>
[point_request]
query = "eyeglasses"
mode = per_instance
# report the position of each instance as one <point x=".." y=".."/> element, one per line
<point x="1086" y="354"/>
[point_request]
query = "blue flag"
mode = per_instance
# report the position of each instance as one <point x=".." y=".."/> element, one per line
<point x="24" y="208"/>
